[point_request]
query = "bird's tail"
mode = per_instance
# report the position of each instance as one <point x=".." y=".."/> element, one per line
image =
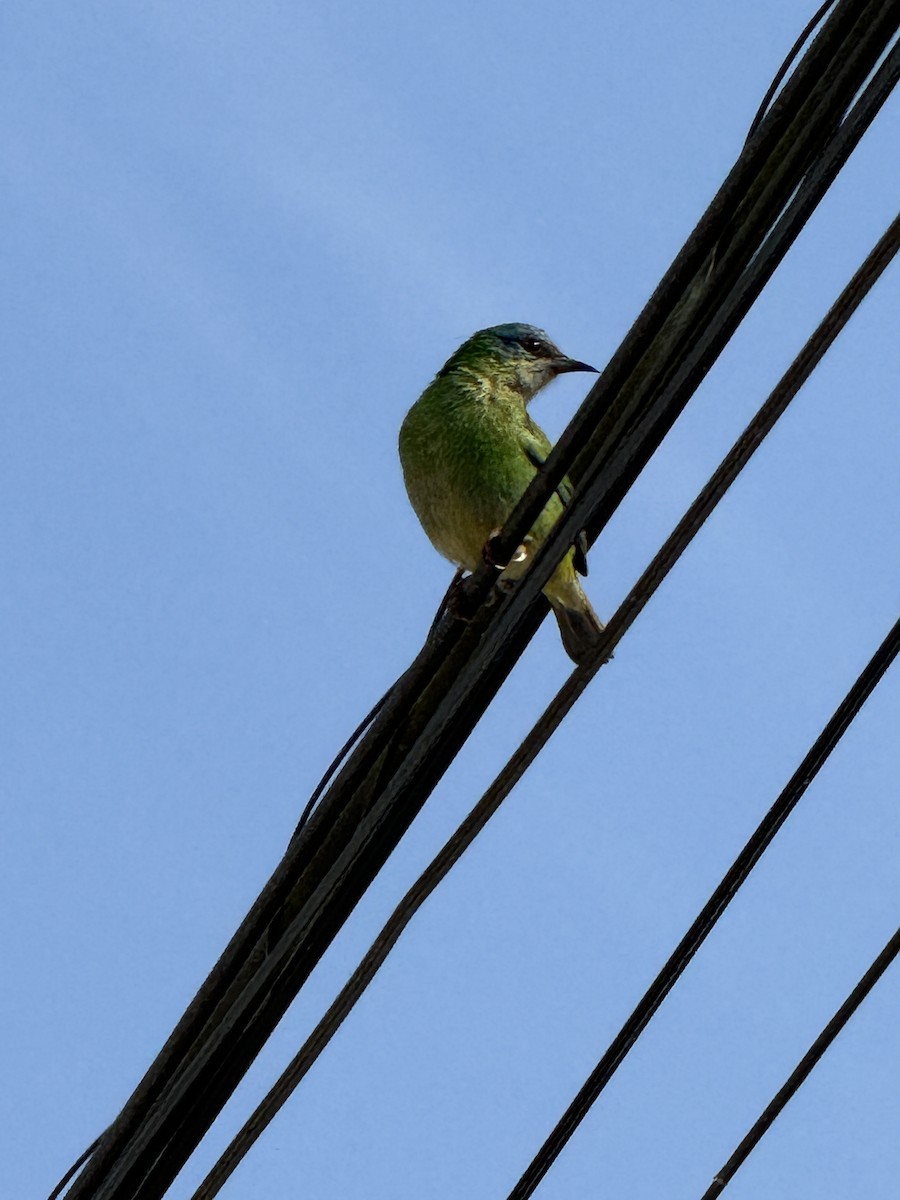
<point x="579" y="626"/>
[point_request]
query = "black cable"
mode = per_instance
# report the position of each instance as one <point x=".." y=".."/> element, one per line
<point x="806" y="111"/>
<point x="802" y="367"/>
<point x="366" y="722"/>
<point x="420" y="730"/>
<point x="74" y="1169"/>
<point x="339" y="758"/>
<point x="791" y="56"/>
<point x="712" y="910"/>
<point x="598" y="494"/>
<point x="207" y="1081"/>
<point x="188" y="1033"/>
<point x="801" y="1072"/>
<point x="772" y="91"/>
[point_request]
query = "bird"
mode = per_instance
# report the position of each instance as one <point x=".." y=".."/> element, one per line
<point x="469" y="449"/>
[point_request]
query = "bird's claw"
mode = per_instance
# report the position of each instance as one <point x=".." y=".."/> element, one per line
<point x="490" y="556"/>
<point x="462" y="599"/>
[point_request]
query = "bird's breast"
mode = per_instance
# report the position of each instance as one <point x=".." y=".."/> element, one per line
<point x="464" y="470"/>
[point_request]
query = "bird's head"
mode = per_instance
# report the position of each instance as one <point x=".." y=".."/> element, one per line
<point x="519" y="356"/>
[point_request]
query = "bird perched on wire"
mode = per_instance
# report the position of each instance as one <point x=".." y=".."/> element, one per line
<point x="469" y="449"/>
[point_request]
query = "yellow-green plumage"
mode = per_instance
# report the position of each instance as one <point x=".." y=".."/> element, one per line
<point x="469" y="449"/>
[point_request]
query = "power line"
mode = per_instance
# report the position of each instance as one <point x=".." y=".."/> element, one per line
<point x="702" y="926"/>
<point x="814" y="21"/>
<point x="192" y="1083"/>
<point x="798" y="148"/>
<point x="803" y="1069"/>
<point x="370" y="716"/>
<point x="737" y="458"/>
<point x="389" y="775"/>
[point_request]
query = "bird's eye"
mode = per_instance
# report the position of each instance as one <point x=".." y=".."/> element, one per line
<point x="533" y="345"/>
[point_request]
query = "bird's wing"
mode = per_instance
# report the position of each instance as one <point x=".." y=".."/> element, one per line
<point x="537" y="449"/>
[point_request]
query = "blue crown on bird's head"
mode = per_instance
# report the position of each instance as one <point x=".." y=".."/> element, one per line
<point x="514" y="343"/>
<point x="514" y="339"/>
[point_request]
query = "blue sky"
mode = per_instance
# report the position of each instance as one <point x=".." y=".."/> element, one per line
<point x="237" y="242"/>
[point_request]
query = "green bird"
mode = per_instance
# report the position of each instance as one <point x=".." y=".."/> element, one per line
<point x="469" y="449"/>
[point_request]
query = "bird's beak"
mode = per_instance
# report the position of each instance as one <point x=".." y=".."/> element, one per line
<point x="564" y="365"/>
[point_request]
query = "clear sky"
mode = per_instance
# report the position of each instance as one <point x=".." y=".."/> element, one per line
<point x="238" y="240"/>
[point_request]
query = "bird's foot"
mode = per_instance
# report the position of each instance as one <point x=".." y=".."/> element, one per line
<point x="491" y="558"/>
<point x="461" y="601"/>
<point x="451" y="603"/>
